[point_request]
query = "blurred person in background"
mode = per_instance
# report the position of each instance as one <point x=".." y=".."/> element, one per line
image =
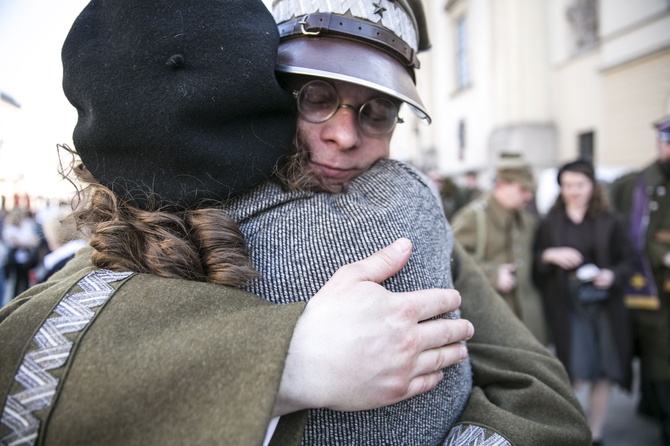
<point x="498" y="231"/>
<point x="583" y="260"/>
<point x="63" y="240"/>
<point x="3" y="251"/>
<point x="644" y="197"/>
<point x="21" y="239"/>
<point x="450" y="193"/>
<point x="470" y="189"/>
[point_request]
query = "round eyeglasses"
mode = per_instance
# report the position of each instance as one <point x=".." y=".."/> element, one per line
<point x="318" y="101"/>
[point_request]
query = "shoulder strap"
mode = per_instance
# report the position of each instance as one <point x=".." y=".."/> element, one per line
<point x="480" y="222"/>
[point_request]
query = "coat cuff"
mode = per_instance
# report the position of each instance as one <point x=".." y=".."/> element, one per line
<point x="467" y="434"/>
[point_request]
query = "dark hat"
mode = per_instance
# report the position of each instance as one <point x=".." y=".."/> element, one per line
<point x="580" y="166"/>
<point x="177" y="97"/>
<point x="663" y="128"/>
<point x="513" y="167"/>
<point x="369" y="43"/>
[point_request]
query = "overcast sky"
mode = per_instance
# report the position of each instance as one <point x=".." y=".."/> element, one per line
<point x="31" y="36"/>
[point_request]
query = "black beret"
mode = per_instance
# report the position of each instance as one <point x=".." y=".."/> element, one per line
<point x="580" y="165"/>
<point x="177" y="98"/>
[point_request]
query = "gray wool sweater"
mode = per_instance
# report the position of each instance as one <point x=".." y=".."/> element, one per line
<point x="297" y="240"/>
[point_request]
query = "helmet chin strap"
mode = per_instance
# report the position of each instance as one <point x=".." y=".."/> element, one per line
<point x="325" y="23"/>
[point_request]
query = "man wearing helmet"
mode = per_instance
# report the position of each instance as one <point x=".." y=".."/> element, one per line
<point x="350" y="66"/>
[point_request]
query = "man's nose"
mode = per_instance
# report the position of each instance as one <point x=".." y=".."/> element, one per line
<point x="342" y="128"/>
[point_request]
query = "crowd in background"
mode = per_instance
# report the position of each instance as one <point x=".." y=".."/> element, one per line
<point x="34" y="244"/>
<point x="590" y="278"/>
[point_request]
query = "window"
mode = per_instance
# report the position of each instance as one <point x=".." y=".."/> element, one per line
<point x="462" y="72"/>
<point x="461" y="140"/>
<point x="587" y="142"/>
<point x="582" y="17"/>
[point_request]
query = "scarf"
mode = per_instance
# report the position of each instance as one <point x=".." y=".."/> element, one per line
<point x="641" y="293"/>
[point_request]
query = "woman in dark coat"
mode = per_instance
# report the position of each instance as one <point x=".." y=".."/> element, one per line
<point x="582" y="248"/>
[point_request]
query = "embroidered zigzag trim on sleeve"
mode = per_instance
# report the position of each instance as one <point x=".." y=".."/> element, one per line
<point x="72" y="314"/>
<point x="470" y="434"/>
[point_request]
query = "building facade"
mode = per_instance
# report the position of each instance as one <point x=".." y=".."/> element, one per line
<point x="554" y="79"/>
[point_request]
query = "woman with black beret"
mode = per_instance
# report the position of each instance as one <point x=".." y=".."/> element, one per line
<point x="582" y="263"/>
<point x="137" y="341"/>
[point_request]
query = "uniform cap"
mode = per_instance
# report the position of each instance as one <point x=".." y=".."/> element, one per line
<point x="370" y="43"/>
<point x="663" y="128"/>
<point x="513" y="167"/>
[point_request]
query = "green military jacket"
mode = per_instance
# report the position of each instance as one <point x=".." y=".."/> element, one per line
<point x="653" y="324"/>
<point x="494" y="236"/>
<point x="168" y="361"/>
<point x="657" y="240"/>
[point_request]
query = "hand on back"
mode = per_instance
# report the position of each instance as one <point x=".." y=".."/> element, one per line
<point x="359" y="346"/>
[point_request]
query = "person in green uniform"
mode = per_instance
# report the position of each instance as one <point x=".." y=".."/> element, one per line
<point x="498" y="230"/>
<point x="644" y="197"/>
<point x="350" y="66"/>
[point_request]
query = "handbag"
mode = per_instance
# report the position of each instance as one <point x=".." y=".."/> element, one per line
<point x="26" y="258"/>
<point x="588" y="293"/>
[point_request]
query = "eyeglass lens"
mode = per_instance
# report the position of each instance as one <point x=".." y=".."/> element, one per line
<point x="318" y="101"/>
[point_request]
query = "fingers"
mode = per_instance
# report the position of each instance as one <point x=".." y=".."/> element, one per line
<point x="574" y="257"/>
<point x="438" y="333"/>
<point x="569" y="258"/>
<point x="564" y="257"/>
<point x="440" y="358"/>
<point x="430" y="364"/>
<point x="382" y="264"/>
<point x="425" y="304"/>
<point x="424" y="383"/>
<point x="605" y="279"/>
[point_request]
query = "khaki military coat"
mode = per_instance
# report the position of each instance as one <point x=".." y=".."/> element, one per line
<point x="496" y="236"/>
<point x="168" y="361"/>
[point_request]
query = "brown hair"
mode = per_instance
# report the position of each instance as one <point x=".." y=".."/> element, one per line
<point x="294" y="173"/>
<point x="204" y="245"/>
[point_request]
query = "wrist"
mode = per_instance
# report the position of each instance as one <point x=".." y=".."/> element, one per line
<point x="296" y="390"/>
<point x="546" y="256"/>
